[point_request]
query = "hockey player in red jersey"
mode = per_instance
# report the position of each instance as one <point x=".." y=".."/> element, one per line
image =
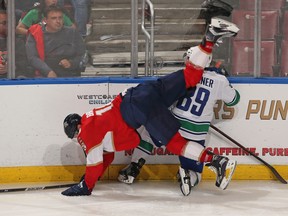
<point x="111" y="128"/>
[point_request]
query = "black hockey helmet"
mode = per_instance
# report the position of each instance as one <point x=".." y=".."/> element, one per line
<point x="71" y="123"/>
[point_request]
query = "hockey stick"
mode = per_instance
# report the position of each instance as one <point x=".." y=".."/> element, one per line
<point x="35" y="188"/>
<point x="273" y="170"/>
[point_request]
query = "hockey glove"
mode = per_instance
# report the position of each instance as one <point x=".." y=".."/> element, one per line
<point x="80" y="189"/>
<point x="214" y="8"/>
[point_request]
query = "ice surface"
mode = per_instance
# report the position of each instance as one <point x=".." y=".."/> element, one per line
<point x="155" y="198"/>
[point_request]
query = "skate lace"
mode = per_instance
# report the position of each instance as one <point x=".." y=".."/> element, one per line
<point x="216" y="165"/>
<point x="213" y="168"/>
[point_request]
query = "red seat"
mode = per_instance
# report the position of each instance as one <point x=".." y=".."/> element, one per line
<point x="265" y="4"/>
<point x="245" y="21"/>
<point x="284" y="58"/>
<point x="285" y="26"/>
<point x="243" y="58"/>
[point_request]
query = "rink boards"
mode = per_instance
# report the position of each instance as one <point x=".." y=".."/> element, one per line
<point x="34" y="147"/>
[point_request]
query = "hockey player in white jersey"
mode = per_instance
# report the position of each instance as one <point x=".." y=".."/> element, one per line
<point x="195" y="113"/>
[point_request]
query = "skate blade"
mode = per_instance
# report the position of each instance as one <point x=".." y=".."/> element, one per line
<point x="230" y="168"/>
<point x="184" y="186"/>
<point x="126" y="179"/>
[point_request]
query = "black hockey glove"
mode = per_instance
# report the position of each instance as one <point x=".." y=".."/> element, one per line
<point x="80" y="189"/>
<point x="214" y="8"/>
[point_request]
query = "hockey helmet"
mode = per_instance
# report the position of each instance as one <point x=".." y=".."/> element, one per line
<point x="70" y="124"/>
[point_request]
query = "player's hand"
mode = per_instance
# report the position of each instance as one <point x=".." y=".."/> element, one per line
<point x="65" y="63"/>
<point x="51" y="74"/>
<point x="80" y="189"/>
<point x="3" y="68"/>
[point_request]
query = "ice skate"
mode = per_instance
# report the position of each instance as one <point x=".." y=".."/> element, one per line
<point x="224" y="169"/>
<point x="219" y="29"/>
<point x="187" y="179"/>
<point x="129" y="173"/>
<point x="184" y="180"/>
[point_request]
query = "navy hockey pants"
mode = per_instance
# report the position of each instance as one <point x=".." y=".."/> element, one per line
<point x="147" y="104"/>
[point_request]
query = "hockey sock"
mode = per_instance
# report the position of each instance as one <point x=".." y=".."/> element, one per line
<point x="206" y="46"/>
<point x="189" y="149"/>
<point x="206" y="156"/>
<point x="176" y="144"/>
<point x="108" y="158"/>
<point x="192" y="75"/>
<point x="192" y="150"/>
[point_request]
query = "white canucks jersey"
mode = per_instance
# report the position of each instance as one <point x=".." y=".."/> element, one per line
<point x="196" y="112"/>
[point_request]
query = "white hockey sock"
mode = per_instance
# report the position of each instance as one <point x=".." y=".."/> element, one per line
<point x="192" y="150"/>
<point x="199" y="57"/>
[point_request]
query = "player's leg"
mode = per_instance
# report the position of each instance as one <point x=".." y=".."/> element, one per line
<point x="170" y="87"/>
<point x="189" y="174"/>
<point x="129" y="173"/>
<point x="200" y="56"/>
<point x="162" y="125"/>
<point x="140" y="154"/>
<point x="140" y="102"/>
<point x="222" y="166"/>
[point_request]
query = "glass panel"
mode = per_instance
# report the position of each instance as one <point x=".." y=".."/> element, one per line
<point x="281" y="68"/>
<point x="178" y="26"/>
<point x="3" y="40"/>
<point x="105" y="26"/>
<point x="242" y="55"/>
<point x="109" y="44"/>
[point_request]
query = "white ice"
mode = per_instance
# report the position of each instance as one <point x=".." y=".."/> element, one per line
<point x="155" y="198"/>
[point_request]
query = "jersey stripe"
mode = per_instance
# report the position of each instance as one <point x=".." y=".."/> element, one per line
<point x="235" y="99"/>
<point x="194" y="126"/>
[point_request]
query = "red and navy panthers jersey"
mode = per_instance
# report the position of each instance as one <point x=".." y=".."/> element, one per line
<point x="104" y="130"/>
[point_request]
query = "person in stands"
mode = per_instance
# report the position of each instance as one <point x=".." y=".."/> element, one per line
<point x="53" y="49"/>
<point x="3" y="44"/>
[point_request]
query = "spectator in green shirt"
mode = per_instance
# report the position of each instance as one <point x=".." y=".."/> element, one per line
<point x="35" y="16"/>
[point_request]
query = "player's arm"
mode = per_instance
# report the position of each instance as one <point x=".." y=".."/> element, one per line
<point x="96" y="163"/>
<point x="235" y="99"/>
<point x="92" y="174"/>
<point x="230" y="95"/>
<point x="94" y="169"/>
<point x="94" y="159"/>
